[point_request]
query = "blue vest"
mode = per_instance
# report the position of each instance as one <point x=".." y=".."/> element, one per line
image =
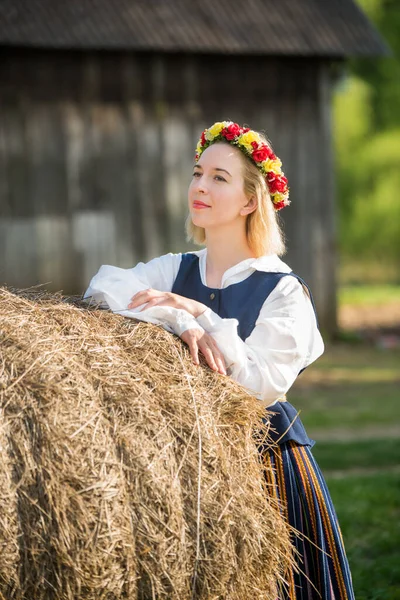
<point x="243" y="301"/>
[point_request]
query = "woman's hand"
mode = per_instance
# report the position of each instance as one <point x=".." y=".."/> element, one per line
<point x="152" y="297"/>
<point x="196" y="339"/>
<point x="199" y="340"/>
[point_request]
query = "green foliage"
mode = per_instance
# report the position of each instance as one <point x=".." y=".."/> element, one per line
<point x="369" y="294"/>
<point x="367" y="140"/>
<point x="383" y="73"/>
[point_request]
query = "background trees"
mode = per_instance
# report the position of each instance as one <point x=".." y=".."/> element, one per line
<point x="367" y="140"/>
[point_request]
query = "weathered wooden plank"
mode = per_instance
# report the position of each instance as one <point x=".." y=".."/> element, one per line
<point x="19" y="256"/>
<point x="114" y="178"/>
<point x="76" y="153"/>
<point x="45" y="151"/>
<point x="14" y="139"/>
<point x="178" y="161"/>
<point x="94" y="235"/>
<point x="48" y="195"/>
<point x="131" y="78"/>
<point x="143" y="147"/>
<point x="53" y="250"/>
<point x="324" y="242"/>
<point x="303" y="140"/>
<point x="5" y="206"/>
<point x="157" y="112"/>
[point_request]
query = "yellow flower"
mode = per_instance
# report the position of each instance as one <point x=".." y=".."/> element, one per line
<point x="215" y="130"/>
<point x="278" y="197"/>
<point x="199" y="148"/>
<point x="272" y="165"/>
<point x="247" y="138"/>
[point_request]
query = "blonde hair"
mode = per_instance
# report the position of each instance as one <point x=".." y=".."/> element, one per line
<point x="263" y="230"/>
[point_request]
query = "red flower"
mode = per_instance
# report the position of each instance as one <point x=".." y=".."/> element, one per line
<point x="255" y="145"/>
<point x="279" y="205"/>
<point x="261" y="153"/>
<point x="245" y="129"/>
<point x="277" y="183"/>
<point x="196" y="157"/>
<point x="203" y="139"/>
<point x="231" y="132"/>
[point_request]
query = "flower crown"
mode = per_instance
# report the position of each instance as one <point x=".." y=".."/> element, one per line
<point x="255" y="148"/>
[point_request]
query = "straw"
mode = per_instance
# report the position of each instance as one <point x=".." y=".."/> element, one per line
<point x="126" y="471"/>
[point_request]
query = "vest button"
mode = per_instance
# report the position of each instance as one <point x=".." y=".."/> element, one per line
<point x="212" y="296"/>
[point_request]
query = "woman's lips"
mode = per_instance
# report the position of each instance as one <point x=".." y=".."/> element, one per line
<point x="199" y="205"/>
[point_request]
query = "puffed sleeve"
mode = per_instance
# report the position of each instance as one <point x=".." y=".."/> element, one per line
<point x="284" y="340"/>
<point x="114" y="287"/>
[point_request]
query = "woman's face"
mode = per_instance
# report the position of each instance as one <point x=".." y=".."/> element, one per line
<point x="216" y="193"/>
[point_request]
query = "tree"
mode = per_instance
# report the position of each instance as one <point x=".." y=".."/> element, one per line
<point x="367" y="140"/>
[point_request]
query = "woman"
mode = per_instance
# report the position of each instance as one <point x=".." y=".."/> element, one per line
<point x="237" y="303"/>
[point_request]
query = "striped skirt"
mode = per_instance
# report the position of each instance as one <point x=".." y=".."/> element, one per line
<point x="295" y="480"/>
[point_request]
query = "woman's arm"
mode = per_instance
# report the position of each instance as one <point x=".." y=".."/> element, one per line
<point x="115" y="287"/>
<point x="285" y="340"/>
<point x="159" y="273"/>
<point x="149" y="286"/>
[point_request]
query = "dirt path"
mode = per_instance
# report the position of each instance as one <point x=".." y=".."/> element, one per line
<point x="369" y="316"/>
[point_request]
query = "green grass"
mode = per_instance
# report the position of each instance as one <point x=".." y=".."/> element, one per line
<point x="368" y="294"/>
<point x="352" y="388"/>
<point x="349" y="388"/>
<point x="365" y="454"/>
<point x="343" y="356"/>
<point x="349" y="407"/>
<point x="368" y="509"/>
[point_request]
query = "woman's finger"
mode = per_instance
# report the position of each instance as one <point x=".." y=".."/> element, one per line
<point x="140" y="298"/>
<point x="150" y="303"/>
<point x="208" y="355"/>
<point x="194" y="349"/>
<point x="218" y="356"/>
<point x="219" y="360"/>
<point x="213" y="345"/>
<point x="148" y="292"/>
<point x="220" y="365"/>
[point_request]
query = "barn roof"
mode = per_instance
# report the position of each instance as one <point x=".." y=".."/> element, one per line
<point x="334" y="28"/>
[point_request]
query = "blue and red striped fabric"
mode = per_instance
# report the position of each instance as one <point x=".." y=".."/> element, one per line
<point x="295" y="480"/>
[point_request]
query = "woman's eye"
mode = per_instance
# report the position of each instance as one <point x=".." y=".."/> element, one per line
<point x="196" y="174"/>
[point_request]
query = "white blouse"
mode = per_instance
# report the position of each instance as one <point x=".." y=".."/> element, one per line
<point x="284" y="340"/>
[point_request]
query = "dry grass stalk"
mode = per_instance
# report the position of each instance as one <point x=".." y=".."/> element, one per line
<point x="126" y="472"/>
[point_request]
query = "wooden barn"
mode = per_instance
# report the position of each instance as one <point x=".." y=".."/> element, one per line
<point x="101" y="106"/>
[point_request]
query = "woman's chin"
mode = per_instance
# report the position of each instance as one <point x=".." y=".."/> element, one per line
<point x="199" y="220"/>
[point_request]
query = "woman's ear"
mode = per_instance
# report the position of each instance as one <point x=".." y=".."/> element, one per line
<point x="249" y="207"/>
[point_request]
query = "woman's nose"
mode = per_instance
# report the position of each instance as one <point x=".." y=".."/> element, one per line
<point x="201" y="185"/>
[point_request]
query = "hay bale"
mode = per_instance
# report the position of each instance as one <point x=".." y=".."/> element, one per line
<point x="126" y="472"/>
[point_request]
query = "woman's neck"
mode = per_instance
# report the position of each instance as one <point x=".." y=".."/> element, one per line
<point x="224" y="250"/>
